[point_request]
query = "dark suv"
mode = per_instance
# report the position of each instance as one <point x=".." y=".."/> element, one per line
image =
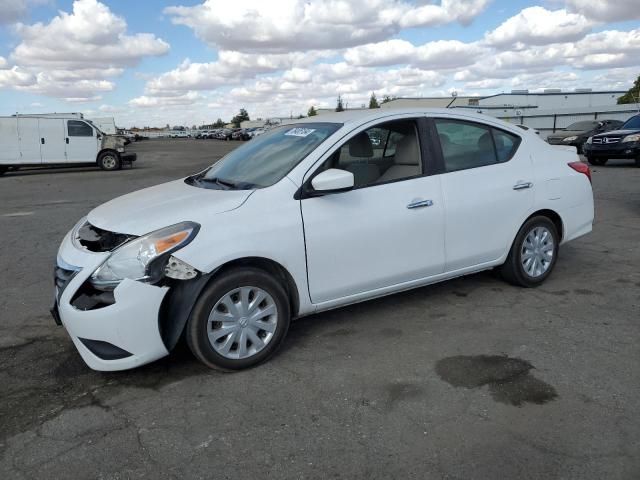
<point x="577" y="133"/>
<point x="623" y="143"/>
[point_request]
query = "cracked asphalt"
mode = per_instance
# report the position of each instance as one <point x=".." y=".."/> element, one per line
<point x="468" y="379"/>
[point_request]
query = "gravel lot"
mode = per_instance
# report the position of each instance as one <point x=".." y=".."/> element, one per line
<point x="471" y="378"/>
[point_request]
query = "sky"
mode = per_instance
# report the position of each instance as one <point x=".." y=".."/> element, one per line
<point x="188" y="62"/>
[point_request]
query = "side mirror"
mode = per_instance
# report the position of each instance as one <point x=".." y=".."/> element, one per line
<point x="333" y="180"/>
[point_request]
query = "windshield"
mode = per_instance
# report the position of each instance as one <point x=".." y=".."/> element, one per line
<point x="632" y="123"/>
<point x="266" y="159"/>
<point x="94" y="126"/>
<point x="582" y="126"/>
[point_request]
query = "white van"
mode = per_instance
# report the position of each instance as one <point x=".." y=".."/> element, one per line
<point x="47" y="140"/>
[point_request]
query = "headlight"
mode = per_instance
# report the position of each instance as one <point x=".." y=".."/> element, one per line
<point x="143" y="258"/>
<point x="121" y="149"/>
<point x="590" y="140"/>
<point x="632" y="138"/>
<point x="570" y="139"/>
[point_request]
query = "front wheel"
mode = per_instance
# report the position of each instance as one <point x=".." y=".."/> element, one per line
<point x="239" y="320"/>
<point x="109" y="161"/>
<point x="533" y="254"/>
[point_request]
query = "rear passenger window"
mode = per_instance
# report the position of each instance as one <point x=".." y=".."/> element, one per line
<point x="470" y="145"/>
<point x="77" y="128"/>
<point x="506" y="144"/>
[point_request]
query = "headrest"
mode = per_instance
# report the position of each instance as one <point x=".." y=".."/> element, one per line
<point x="407" y="152"/>
<point x="485" y="143"/>
<point x="360" y="146"/>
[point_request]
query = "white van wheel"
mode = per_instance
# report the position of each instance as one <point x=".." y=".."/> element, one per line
<point x="109" y="161"/>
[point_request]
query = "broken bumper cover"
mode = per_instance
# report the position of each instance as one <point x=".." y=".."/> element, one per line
<point x="115" y="337"/>
<point x="128" y="157"/>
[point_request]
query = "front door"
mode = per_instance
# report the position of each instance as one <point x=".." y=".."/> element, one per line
<point x="52" y="144"/>
<point x="388" y="230"/>
<point x="81" y="142"/>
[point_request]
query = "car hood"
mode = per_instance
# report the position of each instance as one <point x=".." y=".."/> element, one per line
<point x="156" y="207"/>
<point x="630" y="131"/>
<point x="568" y="133"/>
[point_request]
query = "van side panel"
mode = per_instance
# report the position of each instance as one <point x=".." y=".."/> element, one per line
<point x="29" y="140"/>
<point x="10" y="151"/>
<point x="53" y="148"/>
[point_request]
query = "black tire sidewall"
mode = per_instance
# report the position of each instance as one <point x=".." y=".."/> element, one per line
<point x="516" y="271"/>
<point x="196" y="329"/>
<point x="109" y="154"/>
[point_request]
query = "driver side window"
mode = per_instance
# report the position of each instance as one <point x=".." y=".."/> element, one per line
<point x="381" y="154"/>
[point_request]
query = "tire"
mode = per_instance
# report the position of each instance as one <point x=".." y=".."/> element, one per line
<point x="596" y="161"/>
<point x="109" y="161"/>
<point x="218" y="296"/>
<point x="637" y="161"/>
<point x="544" y="258"/>
<point x="579" y="149"/>
<point x="3" y="170"/>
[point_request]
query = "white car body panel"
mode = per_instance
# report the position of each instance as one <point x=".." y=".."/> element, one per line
<point x="339" y="248"/>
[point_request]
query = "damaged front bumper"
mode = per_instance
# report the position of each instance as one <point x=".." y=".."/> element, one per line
<point x="120" y="333"/>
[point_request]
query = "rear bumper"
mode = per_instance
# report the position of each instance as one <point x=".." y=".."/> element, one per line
<point x="120" y="336"/>
<point x="615" y="150"/>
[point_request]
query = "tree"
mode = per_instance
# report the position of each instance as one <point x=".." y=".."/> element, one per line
<point x="243" y="116"/>
<point x="219" y="123"/>
<point x="312" y="112"/>
<point x="373" y="101"/>
<point x="633" y="95"/>
<point x="386" y="99"/>
<point x="339" y="107"/>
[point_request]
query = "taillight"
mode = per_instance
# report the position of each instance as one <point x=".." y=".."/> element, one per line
<point x="582" y="168"/>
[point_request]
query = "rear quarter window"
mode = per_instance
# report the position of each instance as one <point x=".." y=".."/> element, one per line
<point x="506" y="144"/>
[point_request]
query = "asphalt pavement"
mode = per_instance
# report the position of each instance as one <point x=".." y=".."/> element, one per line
<point x="467" y="379"/>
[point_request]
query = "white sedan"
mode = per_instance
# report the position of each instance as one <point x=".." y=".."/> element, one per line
<point x="310" y="216"/>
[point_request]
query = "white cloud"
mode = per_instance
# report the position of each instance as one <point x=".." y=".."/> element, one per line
<point x="440" y="54"/>
<point x="539" y="26"/>
<point x="606" y="10"/>
<point x="75" y="54"/>
<point x="299" y="25"/>
<point x="144" y="101"/>
<point x="12" y="10"/>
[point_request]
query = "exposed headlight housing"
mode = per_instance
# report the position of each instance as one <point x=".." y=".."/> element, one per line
<point x="120" y="149"/>
<point x="570" y="139"/>
<point x="143" y="258"/>
<point x="632" y="138"/>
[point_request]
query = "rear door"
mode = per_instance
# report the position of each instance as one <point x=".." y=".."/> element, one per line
<point x="52" y="147"/>
<point x="81" y="142"/>
<point x="29" y="140"/>
<point x="488" y="190"/>
<point x="10" y="151"/>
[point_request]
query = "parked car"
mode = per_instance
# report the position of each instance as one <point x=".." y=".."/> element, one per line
<point x="622" y="143"/>
<point x="577" y="133"/>
<point x="224" y="134"/>
<point x="222" y="257"/>
<point x="29" y="140"/>
<point x="238" y="134"/>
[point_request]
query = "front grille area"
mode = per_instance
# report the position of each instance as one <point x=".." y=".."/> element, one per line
<point x="95" y="239"/>
<point x="62" y="276"/>
<point x="605" y="140"/>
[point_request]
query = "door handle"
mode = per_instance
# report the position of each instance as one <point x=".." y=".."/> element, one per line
<point x="67" y="140"/>
<point x="420" y="204"/>
<point x="42" y="141"/>
<point x="522" y="185"/>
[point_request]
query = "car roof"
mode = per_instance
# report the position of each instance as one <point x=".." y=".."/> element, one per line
<point x="350" y="118"/>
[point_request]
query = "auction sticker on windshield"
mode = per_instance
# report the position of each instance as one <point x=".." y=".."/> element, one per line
<point x="300" y="132"/>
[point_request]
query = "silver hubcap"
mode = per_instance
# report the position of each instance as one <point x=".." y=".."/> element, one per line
<point x="242" y="323"/>
<point x="109" y="161"/>
<point x="537" y="251"/>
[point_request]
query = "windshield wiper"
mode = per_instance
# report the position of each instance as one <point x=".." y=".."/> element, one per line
<point x="227" y="184"/>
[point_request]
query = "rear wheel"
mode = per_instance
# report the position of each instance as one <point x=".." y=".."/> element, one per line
<point x="109" y="161"/>
<point x="596" y="161"/>
<point x="533" y="254"/>
<point x="239" y="320"/>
